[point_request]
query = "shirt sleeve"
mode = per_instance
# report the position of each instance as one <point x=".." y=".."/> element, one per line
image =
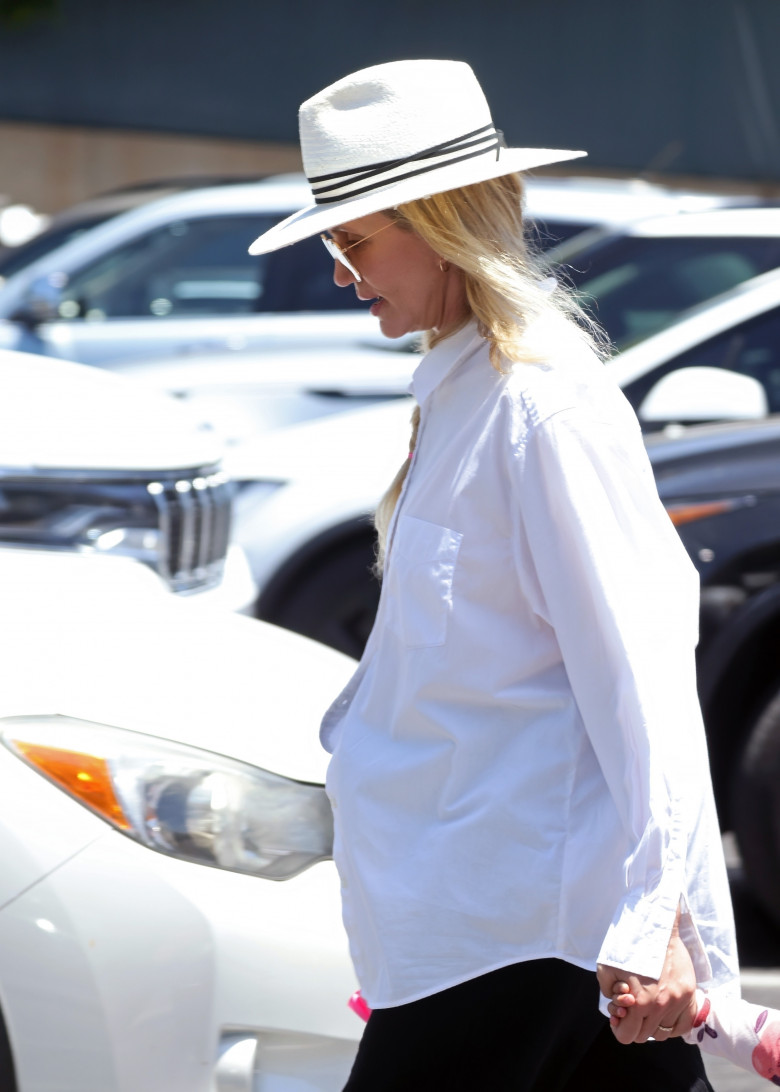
<point x="612" y="578"/>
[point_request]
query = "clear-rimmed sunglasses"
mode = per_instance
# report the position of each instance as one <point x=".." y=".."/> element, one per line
<point x="340" y="252"/>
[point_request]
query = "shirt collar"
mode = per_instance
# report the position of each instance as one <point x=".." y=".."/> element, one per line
<point x="442" y="359"/>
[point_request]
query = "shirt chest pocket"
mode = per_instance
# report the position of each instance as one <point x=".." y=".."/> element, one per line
<point x="423" y="565"/>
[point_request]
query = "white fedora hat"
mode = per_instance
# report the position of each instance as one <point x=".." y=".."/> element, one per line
<point x="394" y="133"/>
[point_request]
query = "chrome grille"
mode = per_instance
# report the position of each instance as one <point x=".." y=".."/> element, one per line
<point x="194" y="522"/>
<point x="177" y="524"/>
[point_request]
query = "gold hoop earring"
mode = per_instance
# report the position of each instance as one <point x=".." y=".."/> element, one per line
<point x="444" y="265"/>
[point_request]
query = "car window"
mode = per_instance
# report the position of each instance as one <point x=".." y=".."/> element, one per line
<point x="15" y="258"/>
<point x="752" y="348"/>
<point x="201" y="267"/>
<point x="635" y="285"/>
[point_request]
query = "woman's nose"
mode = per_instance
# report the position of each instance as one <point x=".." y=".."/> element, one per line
<point x="342" y="276"/>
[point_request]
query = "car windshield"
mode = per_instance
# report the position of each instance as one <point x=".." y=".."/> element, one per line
<point x="636" y="285"/>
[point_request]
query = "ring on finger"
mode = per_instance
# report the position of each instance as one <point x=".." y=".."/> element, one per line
<point x="662" y="1028"/>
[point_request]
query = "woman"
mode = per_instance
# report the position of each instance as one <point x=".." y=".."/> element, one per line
<point x="519" y="773"/>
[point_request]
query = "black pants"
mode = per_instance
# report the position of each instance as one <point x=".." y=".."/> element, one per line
<point x="531" y="1027"/>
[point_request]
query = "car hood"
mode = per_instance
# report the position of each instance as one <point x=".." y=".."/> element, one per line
<point x="55" y="414"/>
<point x="86" y="637"/>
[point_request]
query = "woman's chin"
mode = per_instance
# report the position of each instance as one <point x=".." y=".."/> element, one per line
<point x="392" y="325"/>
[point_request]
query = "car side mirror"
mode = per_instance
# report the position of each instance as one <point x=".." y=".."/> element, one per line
<point x="687" y="395"/>
<point x="41" y="302"/>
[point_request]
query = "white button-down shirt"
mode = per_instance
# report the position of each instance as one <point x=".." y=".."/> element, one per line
<point x="519" y="766"/>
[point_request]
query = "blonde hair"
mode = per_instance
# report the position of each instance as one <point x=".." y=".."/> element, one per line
<point x="480" y="230"/>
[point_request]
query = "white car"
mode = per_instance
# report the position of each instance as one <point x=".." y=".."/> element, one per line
<point x="306" y="493"/>
<point x="169" y="917"/>
<point x="91" y="463"/>
<point x="173" y="276"/>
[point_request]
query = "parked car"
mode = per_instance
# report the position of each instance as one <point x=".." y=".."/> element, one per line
<point x="93" y="464"/>
<point x="173" y="276"/>
<point x="637" y="278"/>
<point x="304" y="507"/>
<point x="169" y="915"/>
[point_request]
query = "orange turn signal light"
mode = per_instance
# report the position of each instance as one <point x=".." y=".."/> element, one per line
<point x="689" y="513"/>
<point x="84" y="776"/>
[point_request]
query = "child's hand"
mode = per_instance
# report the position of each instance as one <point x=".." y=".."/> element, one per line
<point x="622" y="1000"/>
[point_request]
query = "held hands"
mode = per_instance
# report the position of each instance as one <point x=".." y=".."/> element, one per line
<point x="642" y="1008"/>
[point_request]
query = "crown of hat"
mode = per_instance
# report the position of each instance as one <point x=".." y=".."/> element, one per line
<point x="392" y="112"/>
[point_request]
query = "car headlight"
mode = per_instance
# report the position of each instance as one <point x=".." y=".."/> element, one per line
<point x="180" y="800"/>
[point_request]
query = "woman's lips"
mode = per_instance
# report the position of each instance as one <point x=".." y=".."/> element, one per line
<point x="376" y="305"/>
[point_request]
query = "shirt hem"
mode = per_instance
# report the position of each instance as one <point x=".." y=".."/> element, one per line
<point x="468" y="976"/>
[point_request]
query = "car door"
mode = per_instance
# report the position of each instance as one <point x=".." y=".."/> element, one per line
<point x="191" y="286"/>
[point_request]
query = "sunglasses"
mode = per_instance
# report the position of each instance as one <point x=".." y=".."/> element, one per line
<point x="340" y="252"/>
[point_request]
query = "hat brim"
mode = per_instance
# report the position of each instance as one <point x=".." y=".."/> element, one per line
<point x="316" y="218"/>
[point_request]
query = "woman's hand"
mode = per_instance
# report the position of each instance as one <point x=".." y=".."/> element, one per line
<point x="650" y="1008"/>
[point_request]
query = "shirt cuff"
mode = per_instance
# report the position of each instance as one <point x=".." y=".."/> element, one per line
<point x="638" y="937"/>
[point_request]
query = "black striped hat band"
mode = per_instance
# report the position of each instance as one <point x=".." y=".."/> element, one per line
<point x="344" y="184"/>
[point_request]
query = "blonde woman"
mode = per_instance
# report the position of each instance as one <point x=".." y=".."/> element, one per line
<point x="522" y="804"/>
